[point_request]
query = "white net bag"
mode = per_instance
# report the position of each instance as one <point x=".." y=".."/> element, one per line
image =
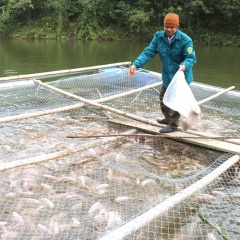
<point x="180" y="98"/>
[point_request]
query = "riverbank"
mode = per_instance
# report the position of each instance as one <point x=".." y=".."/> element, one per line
<point x="202" y="37"/>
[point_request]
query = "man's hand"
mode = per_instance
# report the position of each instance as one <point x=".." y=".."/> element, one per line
<point x="182" y="68"/>
<point x="132" y="71"/>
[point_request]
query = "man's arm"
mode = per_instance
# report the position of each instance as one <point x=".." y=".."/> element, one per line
<point x="189" y="56"/>
<point x="147" y="54"/>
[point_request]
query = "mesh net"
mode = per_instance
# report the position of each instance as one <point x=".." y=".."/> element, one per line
<point x="54" y="186"/>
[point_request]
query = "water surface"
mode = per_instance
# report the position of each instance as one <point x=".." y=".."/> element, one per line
<point x="217" y="66"/>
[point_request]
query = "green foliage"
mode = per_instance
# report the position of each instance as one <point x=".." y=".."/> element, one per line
<point x="138" y="21"/>
<point x="122" y="13"/>
<point x="211" y="38"/>
<point x="211" y="22"/>
<point x="4" y="21"/>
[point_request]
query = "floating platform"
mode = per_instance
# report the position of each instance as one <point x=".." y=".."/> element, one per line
<point x="208" y="142"/>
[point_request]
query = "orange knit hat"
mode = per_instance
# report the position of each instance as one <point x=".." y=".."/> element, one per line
<point x="171" y="20"/>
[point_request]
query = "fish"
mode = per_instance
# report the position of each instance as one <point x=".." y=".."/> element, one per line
<point x="58" y="217"/>
<point x="110" y="174"/>
<point x="211" y="236"/>
<point x="2" y="224"/>
<point x="46" y="186"/>
<point x="66" y="179"/>
<point x="75" y="223"/>
<point x="44" y="229"/>
<point x="10" y="195"/>
<point x="137" y="181"/>
<point x="218" y="193"/>
<point x="30" y="200"/>
<point x="55" y="228"/>
<point x="7" y="148"/>
<point x="236" y="194"/>
<point x="100" y="189"/>
<point x="84" y="181"/>
<point x="121" y="158"/>
<point x="40" y="208"/>
<point x="102" y="216"/>
<point x="15" y="184"/>
<point x="76" y="207"/>
<point x="28" y="179"/>
<point x="114" y="175"/>
<point x="63" y="195"/>
<point x="53" y="178"/>
<point x="220" y="189"/>
<point x="101" y="186"/>
<point x="148" y="182"/>
<point x="236" y="171"/>
<point x="22" y="193"/>
<point x="25" y="187"/>
<point x="27" y="172"/>
<point x="100" y="192"/>
<point x="206" y="197"/>
<point x="113" y="220"/>
<point x="18" y="218"/>
<point x="9" y="235"/>
<point x="64" y="227"/>
<point x="122" y="199"/>
<point x="74" y="196"/>
<point x="95" y="207"/>
<point x="48" y="202"/>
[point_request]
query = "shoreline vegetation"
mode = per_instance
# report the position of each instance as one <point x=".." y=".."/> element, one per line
<point x="206" y="22"/>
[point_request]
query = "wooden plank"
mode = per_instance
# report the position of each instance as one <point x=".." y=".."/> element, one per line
<point x="183" y="136"/>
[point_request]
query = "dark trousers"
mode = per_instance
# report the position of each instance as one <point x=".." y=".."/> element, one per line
<point x="171" y="116"/>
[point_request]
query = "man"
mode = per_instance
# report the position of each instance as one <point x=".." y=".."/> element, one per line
<point x="176" y="52"/>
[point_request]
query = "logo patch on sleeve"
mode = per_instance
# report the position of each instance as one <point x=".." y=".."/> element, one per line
<point x="189" y="50"/>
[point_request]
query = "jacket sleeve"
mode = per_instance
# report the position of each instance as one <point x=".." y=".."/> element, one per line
<point x="189" y="55"/>
<point x="147" y="54"/>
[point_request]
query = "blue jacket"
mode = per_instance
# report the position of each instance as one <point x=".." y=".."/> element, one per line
<point x="179" y="51"/>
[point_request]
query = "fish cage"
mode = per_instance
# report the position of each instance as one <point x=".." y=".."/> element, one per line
<point x="75" y="164"/>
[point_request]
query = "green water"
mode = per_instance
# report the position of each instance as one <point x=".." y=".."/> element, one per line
<point x="218" y="66"/>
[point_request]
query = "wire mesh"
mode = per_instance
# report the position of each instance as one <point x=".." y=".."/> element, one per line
<point x="221" y="114"/>
<point x="99" y="184"/>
